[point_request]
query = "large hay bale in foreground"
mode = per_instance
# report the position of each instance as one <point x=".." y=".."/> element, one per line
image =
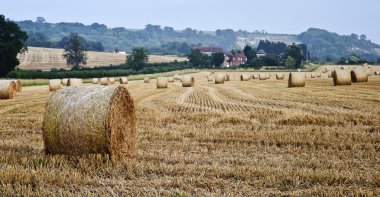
<point x="64" y="81"/>
<point x="162" y="82"/>
<point x="210" y="78"/>
<point x="255" y="76"/>
<point x="7" y="89"/>
<point x="280" y="76"/>
<point x="296" y="79"/>
<point x="359" y="75"/>
<point x="95" y="80"/>
<point x="188" y="81"/>
<point x="112" y="80"/>
<point x="220" y="78"/>
<point x="18" y="84"/>
<point x="245" y="77"/>
<point x="147" y="80"/>
<point x="123" y="80"/>
<point x="262" y="76"/>
<point x="104" y="81"/>
<point x="54" y="84"/>
<point x="228" y="77"/>
<point x="87" y="120"/>
<point x="341" y="77"/>
<point x="74" y="82"/>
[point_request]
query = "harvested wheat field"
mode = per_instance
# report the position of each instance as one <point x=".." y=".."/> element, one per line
<point x="240" y="138"/>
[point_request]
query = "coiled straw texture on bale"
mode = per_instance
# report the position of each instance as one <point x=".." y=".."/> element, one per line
<point x="262" y="76"/>
<point x="359" y="75"/>
<point x="95" y="80"/>
<point x="123" y="80"/>
<point x="18" y="85"/>
<point x="7" y="89"/>
<point x="74" y="82"/>
<point x="147" y="80"/>
<point x="210" y="78"/>
<point x="220" y="78"/>
<point x="64" y="81"/>
<point x="188" y="81"/>
<point x="296" y="79"/>
<point x="341" y="77"/>
<point x="87" y="120"/>
<point x="245" y="77"/>
<point x="54" y="84"/>
<point x="104" y="81"/>
<point x="162" y="82"/>
<point x="112" y="80"/>
<point x="280" y="76"/>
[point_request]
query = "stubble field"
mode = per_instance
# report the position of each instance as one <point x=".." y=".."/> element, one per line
<point x="236" y="139"/>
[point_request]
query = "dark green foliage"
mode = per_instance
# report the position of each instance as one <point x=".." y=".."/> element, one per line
<point x="270" y="60"/>
<point x="172" y="48"/>
<point x="294" y="51"/>
<point x="249" y="52"/>
<point x="290" y="63"/>
<point x="198" y="59"/>
<point x="12" y="42"/>
<point x="111" y="71"/>
<point x="75" y="52"/>
<point x="256" y="62"/>
<point x="137" y="59"/>
<point x="218" y="59"/>
<point x="352" y="60"/>
<point x="269" y="47"/>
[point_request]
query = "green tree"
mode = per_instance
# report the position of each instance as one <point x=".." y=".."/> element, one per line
<point x="294" y="51"/>
<point x="138" y="58"/>
<point x="198" y="59"/>
<point x="290" y="63"/>
<point x="75" y="51"/>
<point x="218" y="59"/>
<point x="249" y="52"/>
<point x="12" y="42"/>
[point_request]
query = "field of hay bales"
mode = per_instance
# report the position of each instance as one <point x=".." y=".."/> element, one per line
<point x="48" y="58"/>
<point x="240" y="138"/>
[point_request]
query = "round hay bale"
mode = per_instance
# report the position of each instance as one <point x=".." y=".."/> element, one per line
<point x="147" y="80"/>
<point x="341" y="77"/>
<point x="74" y="82"/>
<point x="312" y="75"/>
<point x="262" y="76"/>
<point x="268" y="76"/>
<point x="255" y="76"/>
<point x="64" y="81"/>
<point x="245" y="77"/>
<point x="228" y="77"/>
<point x="220" y="78"/>
<point x="170" y="79"/>
<point x="90" y="120"/>
<point x="210" y="78"/>
<point x="95" y="80"/>
<point x="123" y="80"/>
<point x="188" y="81"/>
<point x="54" y="84"/>
<point x="7" y="89"/>
<point x="112" y="80"/>
<point x="104" y="81"/>
<point x="359" y="75"/>
<point x="162" y="82"/>
<point x="296" y="79"/>
<point x="280" y="76"/>
<point x="18" y="85"/>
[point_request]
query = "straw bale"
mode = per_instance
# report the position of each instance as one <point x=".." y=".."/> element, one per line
<point x="341" y="77"/>
<point x="54" y="84"/>
<point x="162" y="82"/>
<point x="7" y="89"/>
<point x="296" y="79"/>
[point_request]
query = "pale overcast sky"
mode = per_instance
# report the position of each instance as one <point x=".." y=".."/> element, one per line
<point x="273" y="16"/>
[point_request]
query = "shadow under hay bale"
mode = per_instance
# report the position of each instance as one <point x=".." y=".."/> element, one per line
<point x="296" y="79"/>
<point x="220" y="78"/>
<point x="123" y="80"/>
<point x="245" y="77"/>
<point x="359" y="75"/>
<point x="188" y="81"/>
<point x="74" y="82"/>
<point x="341" y="77"/>
<point x="87" y="120"/>
<point x="162" y="82"/>
<point x="7" y="89"/>
<point x="54" y="84"/>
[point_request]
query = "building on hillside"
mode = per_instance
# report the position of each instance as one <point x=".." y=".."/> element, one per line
<point x="234" y="60"/>
<point x="261" y="53"/>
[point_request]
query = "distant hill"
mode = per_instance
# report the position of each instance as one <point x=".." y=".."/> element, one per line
<point x="321" y="43"/>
